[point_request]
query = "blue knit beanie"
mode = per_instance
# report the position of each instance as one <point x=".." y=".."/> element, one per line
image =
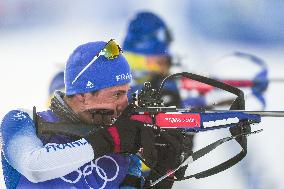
<point x="147" y="34"/>
<point x="103" y="73"/>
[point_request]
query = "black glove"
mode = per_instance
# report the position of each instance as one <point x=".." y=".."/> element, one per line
<point x="187" y="150"/>
<point x="124" y="136"/>
<point x="170" y="156"/>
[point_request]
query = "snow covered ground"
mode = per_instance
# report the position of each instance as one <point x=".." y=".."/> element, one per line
<point x="30" y="56"/>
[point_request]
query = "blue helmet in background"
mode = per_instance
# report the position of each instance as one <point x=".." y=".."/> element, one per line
<point x="147" y="34"/>
<point x="57" y="83"/>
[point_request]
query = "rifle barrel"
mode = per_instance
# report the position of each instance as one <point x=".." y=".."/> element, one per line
<point x="267" y="113"/>
<point x="261" y="113"/>
<point x="280" y="80"/>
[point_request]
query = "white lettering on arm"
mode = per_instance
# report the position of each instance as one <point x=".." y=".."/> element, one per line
<point x="54" y="160"/>
<point x="25" y="152"/>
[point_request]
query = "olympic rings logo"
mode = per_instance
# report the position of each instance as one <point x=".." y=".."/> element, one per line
<point x="100" y="171"/>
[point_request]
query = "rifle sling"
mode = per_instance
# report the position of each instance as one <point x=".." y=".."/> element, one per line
<point x="218" y="168"/>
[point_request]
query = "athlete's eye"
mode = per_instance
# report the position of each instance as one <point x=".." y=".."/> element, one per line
<point x="119" y="94"/>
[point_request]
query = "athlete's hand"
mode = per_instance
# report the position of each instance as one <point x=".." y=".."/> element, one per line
<point x="125" y="136"/>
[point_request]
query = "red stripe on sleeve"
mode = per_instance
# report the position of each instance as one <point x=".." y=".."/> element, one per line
<point x="116" y="139"/>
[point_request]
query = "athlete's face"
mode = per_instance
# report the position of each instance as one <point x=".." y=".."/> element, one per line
<point x="113" y="98"/>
